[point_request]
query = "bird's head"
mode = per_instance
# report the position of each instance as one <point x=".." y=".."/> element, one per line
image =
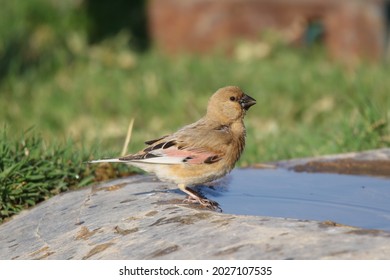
<point x="229" y="104"/>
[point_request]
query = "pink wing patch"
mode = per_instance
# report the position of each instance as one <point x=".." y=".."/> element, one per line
<point x="192" y="156"/>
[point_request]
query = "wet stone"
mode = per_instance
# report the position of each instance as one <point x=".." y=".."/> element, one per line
<point x="347" y="166"/>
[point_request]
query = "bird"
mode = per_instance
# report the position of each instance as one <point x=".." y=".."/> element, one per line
<point x="201" y="152"/>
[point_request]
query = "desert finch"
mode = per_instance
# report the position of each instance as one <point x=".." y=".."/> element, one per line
<point x="200" y="152"/>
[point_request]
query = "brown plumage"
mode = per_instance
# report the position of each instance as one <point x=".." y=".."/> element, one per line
<point x="200" y="152"/>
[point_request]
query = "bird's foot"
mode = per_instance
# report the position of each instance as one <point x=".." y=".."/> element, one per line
<point x="208" y="203"/>
<point x="196" y="197"/>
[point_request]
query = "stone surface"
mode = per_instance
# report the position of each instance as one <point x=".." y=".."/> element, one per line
<point x="353" y="29"/>
<point x="141" y="218"/>
<point x="371" y="155"/>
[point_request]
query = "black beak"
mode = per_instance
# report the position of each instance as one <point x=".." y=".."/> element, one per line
<point x="246" y="102"/>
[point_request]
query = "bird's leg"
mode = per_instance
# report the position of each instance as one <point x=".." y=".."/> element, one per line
<point x="195" y="197"/>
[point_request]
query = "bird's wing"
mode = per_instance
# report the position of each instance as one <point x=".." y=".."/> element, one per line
<point x="169" y="152"/>
<point x="197" y="143"/>
<point x="173" y="152"/>
<point x="193" y="144"/>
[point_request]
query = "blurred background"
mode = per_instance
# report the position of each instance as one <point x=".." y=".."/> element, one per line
<point x="82" y="69"/>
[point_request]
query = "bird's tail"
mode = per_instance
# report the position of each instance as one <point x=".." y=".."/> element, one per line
<point x="113" y="160"/>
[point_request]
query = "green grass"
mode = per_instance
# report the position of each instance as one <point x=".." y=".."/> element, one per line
<point x="30" y="172"/>
<point x="80" y="99"/>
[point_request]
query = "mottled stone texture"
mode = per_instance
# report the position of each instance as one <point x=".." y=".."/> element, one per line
<point x="353" y="29"/>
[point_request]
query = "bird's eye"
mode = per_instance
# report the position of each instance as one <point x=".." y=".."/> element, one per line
<point x="232" y="98"/>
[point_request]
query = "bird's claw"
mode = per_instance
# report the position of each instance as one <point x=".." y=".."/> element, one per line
<point x="210" y="204"/>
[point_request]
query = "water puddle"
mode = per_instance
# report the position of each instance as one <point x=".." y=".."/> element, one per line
<point x="354" y="200"/>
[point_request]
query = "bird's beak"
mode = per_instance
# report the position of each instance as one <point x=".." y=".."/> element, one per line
<point x="246" y="102"/>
